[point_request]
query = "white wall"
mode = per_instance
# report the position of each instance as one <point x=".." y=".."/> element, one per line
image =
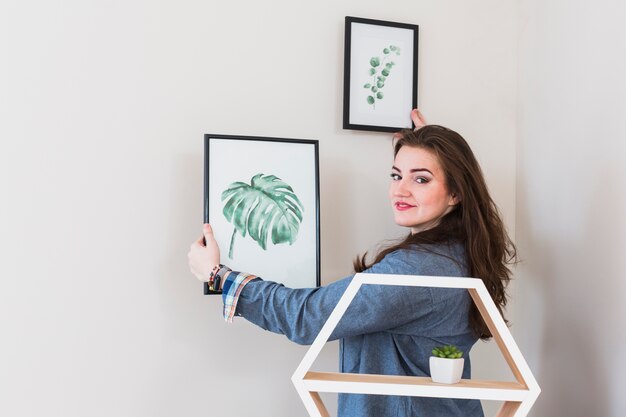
<point x="571" y="204"/>
<point x="103" y="106"/>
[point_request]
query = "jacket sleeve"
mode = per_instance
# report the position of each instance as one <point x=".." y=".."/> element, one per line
<point x="300" y="314"/>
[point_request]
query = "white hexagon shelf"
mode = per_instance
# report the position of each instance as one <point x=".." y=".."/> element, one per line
<point x="518" y="396"/>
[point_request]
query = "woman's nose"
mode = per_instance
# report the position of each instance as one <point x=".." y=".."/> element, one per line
<point x="399" y="188"/>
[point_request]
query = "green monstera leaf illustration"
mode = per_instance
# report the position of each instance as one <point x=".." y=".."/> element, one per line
<point x="267" y="205"/>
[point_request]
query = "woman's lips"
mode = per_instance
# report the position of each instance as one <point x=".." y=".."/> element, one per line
<point x="403" y="206"/>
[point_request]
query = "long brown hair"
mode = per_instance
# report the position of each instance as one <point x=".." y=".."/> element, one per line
<point x="475" y="221"/>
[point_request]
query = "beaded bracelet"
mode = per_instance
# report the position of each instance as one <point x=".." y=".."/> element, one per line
<point x="215" y="277"/>
<point x="214" y="271"/>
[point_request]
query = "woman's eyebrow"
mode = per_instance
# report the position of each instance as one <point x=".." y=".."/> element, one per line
<point x="421" y="169"/>
<point x="413" y="170"/>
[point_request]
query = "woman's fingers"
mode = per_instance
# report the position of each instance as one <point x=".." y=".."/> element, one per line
<point x="418" y="119"/>
<point x="207" y="232"/>
<point x="204" y="254"/>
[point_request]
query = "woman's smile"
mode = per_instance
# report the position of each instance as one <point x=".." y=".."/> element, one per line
<point x="402" y="206"/>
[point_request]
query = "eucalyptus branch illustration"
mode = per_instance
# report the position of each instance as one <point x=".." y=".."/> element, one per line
<point x="379" y="79"/>
<point x="266" y="205"/>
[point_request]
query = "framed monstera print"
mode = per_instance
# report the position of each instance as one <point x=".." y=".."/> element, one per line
<point x="380" y="74"/>
<point x="261" y="197"/>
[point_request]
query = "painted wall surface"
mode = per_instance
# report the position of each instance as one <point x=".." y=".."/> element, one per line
<point x="103" y="108"/>
<point x="571" y="204"/>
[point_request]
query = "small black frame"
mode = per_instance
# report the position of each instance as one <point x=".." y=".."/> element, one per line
<point x="365" y="39"/>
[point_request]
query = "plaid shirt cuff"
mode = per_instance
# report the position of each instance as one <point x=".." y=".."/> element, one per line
<point x="231" y="290"/>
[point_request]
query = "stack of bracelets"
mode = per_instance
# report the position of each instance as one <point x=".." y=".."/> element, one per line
<point x="215" y="278"/>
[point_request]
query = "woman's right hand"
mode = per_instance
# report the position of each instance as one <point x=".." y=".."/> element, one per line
<point x="203" y="258"/>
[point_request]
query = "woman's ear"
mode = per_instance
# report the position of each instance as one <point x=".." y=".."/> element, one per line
<point x="454" y="200"/>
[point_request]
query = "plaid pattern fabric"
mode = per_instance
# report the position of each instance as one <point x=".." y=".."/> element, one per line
<point x="231" y="290"/>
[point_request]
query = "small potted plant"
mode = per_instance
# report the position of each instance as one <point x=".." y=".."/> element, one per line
<point x="446" y="364"/>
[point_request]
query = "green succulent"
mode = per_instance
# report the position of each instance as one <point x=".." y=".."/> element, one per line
<point x="447" y="351"/>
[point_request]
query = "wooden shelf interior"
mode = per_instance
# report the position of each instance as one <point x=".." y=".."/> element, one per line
<point x="413" y="386"/>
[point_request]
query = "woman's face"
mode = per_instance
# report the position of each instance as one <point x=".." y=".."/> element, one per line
<point x="418" y="193"/>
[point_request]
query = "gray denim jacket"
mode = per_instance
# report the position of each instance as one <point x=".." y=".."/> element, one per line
<point x="388" y="330"/>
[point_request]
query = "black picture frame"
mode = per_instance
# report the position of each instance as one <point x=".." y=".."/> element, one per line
<point x="367" y="39"/>
<point x="295" y="164"/>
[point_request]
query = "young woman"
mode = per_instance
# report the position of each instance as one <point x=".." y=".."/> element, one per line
<point x="437" y="190"/>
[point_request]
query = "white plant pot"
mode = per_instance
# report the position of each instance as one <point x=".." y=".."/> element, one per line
<point x="445" y="370"/>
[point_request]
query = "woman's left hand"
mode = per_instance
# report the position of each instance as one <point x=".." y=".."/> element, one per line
<point x="203" y="258"/>
<point x="418" y="119"/>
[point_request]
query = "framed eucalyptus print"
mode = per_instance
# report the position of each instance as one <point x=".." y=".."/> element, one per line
<point x="261" y="197"/>
<point x="380" y="74"/>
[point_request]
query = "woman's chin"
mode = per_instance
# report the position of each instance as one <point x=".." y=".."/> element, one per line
<point x="415" y="228"/>
<point x="403" y="222"/>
